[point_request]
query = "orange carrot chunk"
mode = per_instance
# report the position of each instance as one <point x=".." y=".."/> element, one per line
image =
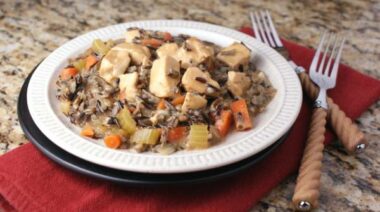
<point x="241" y="115"/>
<point x="176" y="134"/>
<point x="90" y="61"/>
<point x="167" y="36"/>
<point x="131" y="109"/>
<point x="153" y="42"/>
<point x="161" y="105"/>
<point x="112" y="141"/>
<point x="67" y="73"/>
<point x="87" y="131"/>
<point x="178" y="100"/>
<point x="223" y="123"/>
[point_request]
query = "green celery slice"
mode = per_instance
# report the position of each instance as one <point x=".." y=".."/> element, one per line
<point x="79" y="64"/>
<point x="146" y="136"/>
<point x="99" y="47"/>
<point x="198" y="136"/>
<point x="127" y="123"/>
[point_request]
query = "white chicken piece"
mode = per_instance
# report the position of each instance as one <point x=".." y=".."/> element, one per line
<point x="238" y="83"/>
<point x="193" y="52"/>
<point x="128" y="85"/>
<point x="132" y="34"/>
<point x="195" y="80"/>
<point x="164" y="77"/>
<point x="193" y="101"/>
<point x="114" y="64"/>
<point x="234" y="55"/>
<point x="139" y="54"/>
<point x="168" y="49"/>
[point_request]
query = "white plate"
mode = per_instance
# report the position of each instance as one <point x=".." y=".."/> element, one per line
<point x="268" y="126"/>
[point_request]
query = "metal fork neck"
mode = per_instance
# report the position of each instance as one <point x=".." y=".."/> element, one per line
<point x="297" y="69"/>
<point x="321" y="102"/>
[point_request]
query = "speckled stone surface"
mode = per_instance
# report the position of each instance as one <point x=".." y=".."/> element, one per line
<point x="30" y="30"/>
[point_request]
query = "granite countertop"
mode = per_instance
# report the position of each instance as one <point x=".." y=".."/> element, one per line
<point x="30" y="30"/>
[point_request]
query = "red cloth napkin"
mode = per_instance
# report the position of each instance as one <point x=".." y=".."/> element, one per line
<point x="31" y="182"/>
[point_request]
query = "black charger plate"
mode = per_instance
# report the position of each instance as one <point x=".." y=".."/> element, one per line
<point x="74" y="163"/>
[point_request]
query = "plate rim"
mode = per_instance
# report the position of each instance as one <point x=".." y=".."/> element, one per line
<point x="56" y="131"/>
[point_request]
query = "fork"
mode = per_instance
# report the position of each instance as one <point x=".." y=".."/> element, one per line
<point x="307" y="187"/>
<point x="348" y="133"/>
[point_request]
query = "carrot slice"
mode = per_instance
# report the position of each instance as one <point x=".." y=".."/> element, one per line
<point x="176" y="134"/>
<point x="241" y="115"/>
<point x="112" y="141"/>
<point x="167" y="36"/>
<point x="67" y="73"/>
<point x="87" y="131"/>
<point x="223" y="123"/>
<point x="153" y="42"/>
<point x="90" y="61"/>
<point x="131" y="109"/>
<point x="178" y="100"/>
<point x="161" y="105"/>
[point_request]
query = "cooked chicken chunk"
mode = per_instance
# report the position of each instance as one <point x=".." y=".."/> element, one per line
<point x="238" y="83"/>
<point x="139" y="54"/>
<point x="193" y="101"/>
<point x="193" y="52"/>
<point x="132" y="34"/>
<point x="258" y="77"/>
<point x="234" y="55"/>
<point x="114" y="64"/>
<point x="164" y="77"/>
<point x="168" y="49"/>
<point x="195" y="80"/>
<point x="128" y="85"/>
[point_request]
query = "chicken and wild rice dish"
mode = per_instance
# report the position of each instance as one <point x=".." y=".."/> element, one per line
<point x="153" y="91"/>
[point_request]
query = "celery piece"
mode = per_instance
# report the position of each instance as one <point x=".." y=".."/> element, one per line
<point x="79" y="64"/>
<point x="146" y="136"/>
<point x="65" y="106"/>
<point x="117" y="131"/>
<point x="198" y="137"/>
<point x="127" y="123"/>
<point x="99" y="47"/>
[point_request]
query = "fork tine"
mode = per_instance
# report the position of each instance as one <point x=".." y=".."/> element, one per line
<point x="254" y="26"/>
<point x="332" y="55"/>
<point x="261" y="30"/>
<point x="334" y="71"/>
<point x="322" y="64"/>
<point x="314" y="63"/>
<point x="273" y="30"/>
<point x="267" y="31"/>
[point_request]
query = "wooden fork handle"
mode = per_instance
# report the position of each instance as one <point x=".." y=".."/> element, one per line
<point x="347" y="131"/>
<point x="306" y="192"/>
